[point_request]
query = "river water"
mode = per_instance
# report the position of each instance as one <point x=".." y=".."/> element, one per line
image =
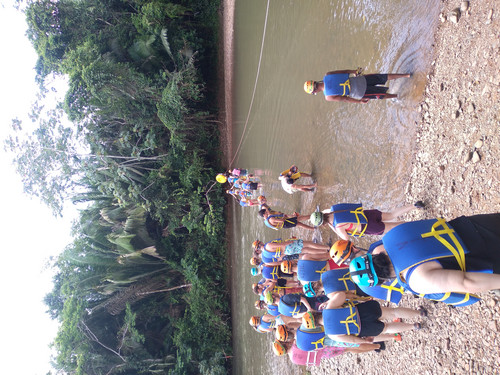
<point x="356" y="152"/>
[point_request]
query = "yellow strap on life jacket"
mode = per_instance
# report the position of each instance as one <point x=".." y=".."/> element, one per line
<point x="357" y="212"/>
<point x="392" y="287"/>
<point x="275" y="272"/>
<point x="344" y="85"/>
<point x="322" y="270"/>
<point x="457" y="250"/>
<point x="350" y="319"/>
<point x="296" y="309"/>
<point x="320" y="341"/>
<point x="345" y="278"/>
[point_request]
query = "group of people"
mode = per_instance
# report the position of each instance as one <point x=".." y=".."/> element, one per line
<point x="320" y="301"/>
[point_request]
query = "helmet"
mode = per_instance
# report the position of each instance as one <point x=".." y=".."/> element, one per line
<point x="221" y="178"/>
<point x="308" y="320"/>
<point x="286" y="266"/>
<point x="309" y="290"/>
<point x="254" y="271"/>
<point x="254" y="321"/>
<point x="281" y="333"/>
<point x="232" y="180"/>
<point x="256" y="244"/>
<point x="340" y="251"/>
<point x="254" y="261"/>
<point x="316" y="218"/>
<point x="362" y="271"/>
<point x="260" y="198"/>
<point x="279" y="348"/>
<point x="309" y="87"/>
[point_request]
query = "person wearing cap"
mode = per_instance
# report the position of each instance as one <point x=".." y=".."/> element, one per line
<point x="362" y="322"/>
<point x="444" y="261"/>
<point x="350" y="219"/>
<point x="290" y="176"/>
<point x="352" y="87"/>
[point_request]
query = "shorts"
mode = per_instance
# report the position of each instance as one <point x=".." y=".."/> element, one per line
<point x="294" y="248"/>
<point x="373" y="91"/>
<point x="375" y="224"/>
<point x="369" y="315"/>
<point x="291" y="222"/>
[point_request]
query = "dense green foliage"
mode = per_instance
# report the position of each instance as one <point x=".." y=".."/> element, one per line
<point x="141" y="290"/>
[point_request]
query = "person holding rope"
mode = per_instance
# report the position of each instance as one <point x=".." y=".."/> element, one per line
<point x="340" y="86"/>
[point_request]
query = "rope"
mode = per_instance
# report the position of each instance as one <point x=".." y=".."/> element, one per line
<point x="254" y="87"/>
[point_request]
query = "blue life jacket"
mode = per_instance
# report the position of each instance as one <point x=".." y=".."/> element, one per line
<point x="341" y="321"/>
<point x="265" y="325"/>
<point x="349" y="213"/>
<point x="273" y="310"/>
<point x="310" y="339"/>
<point x="337" y="280"/>
<point x="268" y="257"/>
<point x="336" y="84"/>
<point x="310" y="270"/>
<point x="288" y="310"/>
<point x="271" y="272"/>
<point x="269" y="225"/>
<point x="417" y="242"/>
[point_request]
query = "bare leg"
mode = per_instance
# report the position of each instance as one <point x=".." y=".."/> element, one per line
<point x="316" y="246"/>
<point x="363" y="348"/>
<point x="391" y="225"/>
<point x="396" y="327"/>
<point x="399" y="312"/>
<point x="303" y="174"/>
<point x="394" y="214"/>
<point x="301" y="225"/>
<point x="396" y="76"/>
<point x="317" y="256"/>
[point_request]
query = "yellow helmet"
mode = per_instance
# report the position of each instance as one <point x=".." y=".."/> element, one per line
<point x="286" y="266"/>
<point x="340" y="251"/>
<point x="254" y="321"/>
<point x="281" y="333"/>
<point x="309" y="87"/>
<point x="278" y="348"/>
<point x="220" y="178"/>
<point x="308" y="320"/>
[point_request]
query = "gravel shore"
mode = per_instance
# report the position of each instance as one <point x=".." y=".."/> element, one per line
<point x="456" y="171"/>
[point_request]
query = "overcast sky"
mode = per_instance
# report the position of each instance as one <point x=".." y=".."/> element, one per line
<point x="30" y="234"/>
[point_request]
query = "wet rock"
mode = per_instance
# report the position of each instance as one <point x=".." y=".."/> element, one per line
<point x="454" y="15"/>
<point x="475" y="157"/>
<point x="489" y="17"/>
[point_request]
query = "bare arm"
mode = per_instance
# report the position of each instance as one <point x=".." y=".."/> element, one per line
<point x="341" y="72"/>
<point x="340" y="230"/>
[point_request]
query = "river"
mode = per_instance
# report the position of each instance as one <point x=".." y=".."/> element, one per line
<point x="356" y="152"/>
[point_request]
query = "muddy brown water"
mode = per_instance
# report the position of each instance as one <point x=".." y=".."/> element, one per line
<point x="356" y="152"/>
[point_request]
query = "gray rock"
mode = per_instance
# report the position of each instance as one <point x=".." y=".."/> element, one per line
<point x="475" y="157"/>
<point x="464" y="6"/>
<point x="478" y="144"/>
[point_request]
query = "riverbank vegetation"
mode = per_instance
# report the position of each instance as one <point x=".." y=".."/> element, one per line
<point x="142" y="287"/>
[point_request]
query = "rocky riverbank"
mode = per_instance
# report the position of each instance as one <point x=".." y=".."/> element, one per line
<point x="456" y="171"/>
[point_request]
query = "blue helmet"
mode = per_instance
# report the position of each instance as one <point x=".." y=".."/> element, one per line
<point x="254" y="271"/>
<point x="362" y="271"/>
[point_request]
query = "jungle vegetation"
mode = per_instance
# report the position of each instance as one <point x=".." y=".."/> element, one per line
<point x="142" y="287"/>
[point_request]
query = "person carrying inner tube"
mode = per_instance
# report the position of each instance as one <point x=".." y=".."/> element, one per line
<point x="290" y="176"/>
<point x="340" y="86"/>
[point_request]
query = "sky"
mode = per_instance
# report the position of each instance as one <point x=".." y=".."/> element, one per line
<point x="30" y="233"/>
